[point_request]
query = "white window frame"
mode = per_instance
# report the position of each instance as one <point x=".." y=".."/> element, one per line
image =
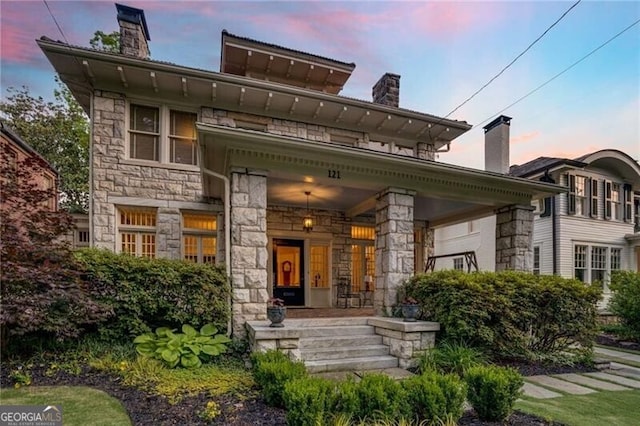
<point x="458" y="263"/>
<point x="164" y="135"/>
<point x="138" y="230"/>
<point x="582" y="184"/>
<point x="614" y="260"/>
<point x="199" y="234"/>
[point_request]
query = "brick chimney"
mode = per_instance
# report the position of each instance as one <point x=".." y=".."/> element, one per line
<point x="496" y="145"/>
<point x="387" y="90"/>
<point x="134" y="33"/>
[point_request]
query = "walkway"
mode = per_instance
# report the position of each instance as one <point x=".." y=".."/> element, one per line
<point x="623" y="374"/>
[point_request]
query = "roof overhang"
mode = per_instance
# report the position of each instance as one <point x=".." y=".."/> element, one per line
<point x="85" y="70"/>
<point x="617" y="162"/>
<point x="449" y="193"/>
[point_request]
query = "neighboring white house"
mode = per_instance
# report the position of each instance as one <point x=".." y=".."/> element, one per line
<point x="587" y="232"/>
<point x="265" y="168"/>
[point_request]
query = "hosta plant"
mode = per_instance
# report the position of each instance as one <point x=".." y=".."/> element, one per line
<point x="187" y="349"/>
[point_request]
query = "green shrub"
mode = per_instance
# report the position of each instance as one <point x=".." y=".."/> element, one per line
<point x="346" y="400"/>
<point x="187" y="349"/>
<point x="492" y="391"/>
<point x="625" y="302"/>
<point x="451" y="358"/>
<point x="454" y="390"/>
<point x="272" y="355"/>
<point x="147" y="293"/>
<point x="380" y="397"/>
<point x="272" y="372"/>
<point x="307" y="400"/>
<point x="513" y="314"/>
<point x="424" y="397"/>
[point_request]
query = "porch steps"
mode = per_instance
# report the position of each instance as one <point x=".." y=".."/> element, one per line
<point x="351" y="345"/>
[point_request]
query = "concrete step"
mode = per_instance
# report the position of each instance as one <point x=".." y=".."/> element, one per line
<point x="352" y="364"/>
<point x="326" y="322"/>
<point x="340" y="341"/>
<point x="296" y="331"/>
<point x="342" y="352"/>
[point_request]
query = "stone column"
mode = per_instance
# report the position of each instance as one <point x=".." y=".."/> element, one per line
<point x="168" y="233"/>
<point x="425" y="151"/>
<point x="248" y="247"/>
<point x="394" y="246"/>
<point x="514" y="238"/>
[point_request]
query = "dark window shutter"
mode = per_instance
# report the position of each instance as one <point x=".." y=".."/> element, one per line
<point x="607" y="199"/>
<point x="546" y="205"/>
<point x="628" y="203"/>
<point x="571" y="198"/>
<point x="594" y="198"/>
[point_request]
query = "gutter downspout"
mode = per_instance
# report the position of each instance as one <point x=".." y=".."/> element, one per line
<point x="227" y="227"/>
<point x="554" y="226"/>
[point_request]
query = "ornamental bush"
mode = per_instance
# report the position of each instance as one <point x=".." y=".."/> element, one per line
<point x="493" y="391"/>
<point x="625" y="302"/>
<point x="148" y="293"/>
<point x="510" y="314"/>
<point x="272" y="372"/>
<point x="307" y="400"/>
<point x="433" y="396"/>
<point x="380" y="398"/>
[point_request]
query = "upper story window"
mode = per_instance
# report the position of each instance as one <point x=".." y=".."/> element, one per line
<point x="144" y="133"/>
<point x="637" y="214"/>
<point x="162" y="134"/>
<point x="578" y="195"/>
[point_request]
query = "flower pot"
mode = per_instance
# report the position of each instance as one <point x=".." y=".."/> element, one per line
<point x="276" y="315"/>
<point x="410" y="312"/>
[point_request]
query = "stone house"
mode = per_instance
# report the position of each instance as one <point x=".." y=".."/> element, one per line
<point x="265" y="168"/>
<point x="586" y="232"/>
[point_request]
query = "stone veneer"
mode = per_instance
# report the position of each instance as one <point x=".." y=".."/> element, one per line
<point x="514" y="241"/>
<point x="394" y="246"/>
<point x="248" y="247"/>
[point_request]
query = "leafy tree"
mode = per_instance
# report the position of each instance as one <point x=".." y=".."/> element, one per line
<point x="59" y="131"/>
<point x="106" y="42"/>
<point x="41" y="289"/>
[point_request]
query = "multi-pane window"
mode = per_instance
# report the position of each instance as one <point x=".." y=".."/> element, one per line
<point x="144" y="132"/>
<point x="598" y="263"/>
<point x="199" y="237"/>
<point x="580" y="262"/>
<point x="82" y="238"/>
<point x="616" y="207"/>
<point x="637" y="215"/>
<point x="581" y="196"/>
<point x="616" y="255"/>
<point x="182" y="138"/>
<point x="319" y="263"/>
<point x="458" y="264"/>
<point x="536" y="260"/>
<point x="362" y="256"/>
<point x="137" y="231"/>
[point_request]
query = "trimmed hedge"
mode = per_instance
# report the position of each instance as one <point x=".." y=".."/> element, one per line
<point x="272" y="370"/>
<point x="625" y="302"/>
<point x="148" y="293"/>
<point x="493" y="391"/>
<point x="512" y="314"/>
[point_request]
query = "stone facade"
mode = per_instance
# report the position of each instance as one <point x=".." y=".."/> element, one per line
<point x="425" y="151"/>
<point x="394" y="246"/>
<point x="514" y="241"/>
<point x="133" y="41"/>
<point x="387" y="90"/>
<point x="248" y="247"/>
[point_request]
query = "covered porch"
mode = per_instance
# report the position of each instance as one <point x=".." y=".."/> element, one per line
<point x="379" y="206"/>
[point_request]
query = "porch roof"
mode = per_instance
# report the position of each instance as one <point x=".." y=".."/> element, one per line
<point x="348" y="178"/>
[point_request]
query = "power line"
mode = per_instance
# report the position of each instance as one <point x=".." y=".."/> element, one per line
<point x="559" y="74"/>
<point x="55" y="21"/>
<point x="514" y="60"/>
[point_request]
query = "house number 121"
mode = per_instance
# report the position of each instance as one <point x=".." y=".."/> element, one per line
<point x="334" y="174"/>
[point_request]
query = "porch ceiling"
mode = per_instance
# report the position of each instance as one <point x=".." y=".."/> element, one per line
<point x="347" y="178"/>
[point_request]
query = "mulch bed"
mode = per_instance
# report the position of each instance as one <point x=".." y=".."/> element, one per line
<point x="614" y="341"/>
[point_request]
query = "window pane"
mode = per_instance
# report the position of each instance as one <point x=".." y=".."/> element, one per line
<point x="199" y="221"/>
<point x="128" y="243"/>
<point x="580" y="262"/>
<point x="148" y="245"/>
<point x="363" y="232"/>
<point x="183" y="124"/>
<point x="143" y="147"/>
<point x="319" y="266"/>
<point x="357" y="275"/>
<point x="144" y="119"/>
<point x="209" y="250"/>
<point x="615" y="259"/>
<point x="190" y="247"/>
<point x="183" y="151"/>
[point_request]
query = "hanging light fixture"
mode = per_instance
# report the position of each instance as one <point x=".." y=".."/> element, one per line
<point x="307" y="222"/>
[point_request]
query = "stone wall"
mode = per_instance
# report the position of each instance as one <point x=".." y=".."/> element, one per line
<point x="514" y="238"/>
<point x="114" y="177"/>
<point x="249" y="254"/>
<point x="394" y="246"/>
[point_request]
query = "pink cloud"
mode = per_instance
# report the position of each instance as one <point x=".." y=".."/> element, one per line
<point x="525" y="137"/>
<point x="18" y="24"/>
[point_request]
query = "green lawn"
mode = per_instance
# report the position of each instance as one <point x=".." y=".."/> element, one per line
<point x="596" y="409"/>
<point x="81" y="405"/>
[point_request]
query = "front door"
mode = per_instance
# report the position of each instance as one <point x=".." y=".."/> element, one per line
<point x="288" y="271"/>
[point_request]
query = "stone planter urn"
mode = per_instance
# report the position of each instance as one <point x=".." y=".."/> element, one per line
<point x="410" y="309"/>
<point x="276" y="312"/>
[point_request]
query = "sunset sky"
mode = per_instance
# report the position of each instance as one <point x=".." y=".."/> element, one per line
<point x="444" y="52"/>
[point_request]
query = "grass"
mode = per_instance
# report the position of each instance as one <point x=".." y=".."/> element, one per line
<point x="80" y="405"/>
<point x="602" y="408"/>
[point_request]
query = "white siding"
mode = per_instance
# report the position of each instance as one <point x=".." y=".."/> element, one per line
<point x="543" y="237"/>
<point x="478" y="235"/>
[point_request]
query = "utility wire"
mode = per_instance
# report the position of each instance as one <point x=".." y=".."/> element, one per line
<point x="55" y="21"/>
<point x="514" y="60"/>
<point x="559" y="74"/>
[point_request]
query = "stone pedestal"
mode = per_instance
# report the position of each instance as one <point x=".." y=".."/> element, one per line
<point x="406" y="340"/>
<point x="394" y="246"/>
<point x="514" y="238"/>
<point x="248" y="247"/>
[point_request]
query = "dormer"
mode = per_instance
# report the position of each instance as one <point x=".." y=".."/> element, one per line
<point x="269" y="62"/>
